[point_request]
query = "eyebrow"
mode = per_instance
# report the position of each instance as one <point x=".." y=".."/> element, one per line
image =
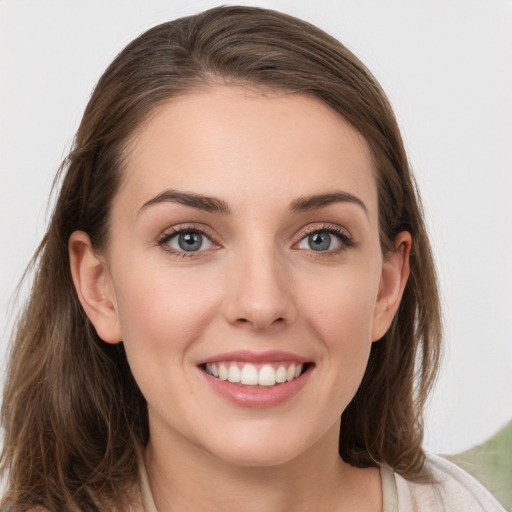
<point x="314" y="202"/>
<point x="214" y="205"/>
<point x="208" y="204"/>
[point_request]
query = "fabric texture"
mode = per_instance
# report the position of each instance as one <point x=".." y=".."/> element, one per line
<point x="451" y="490"/>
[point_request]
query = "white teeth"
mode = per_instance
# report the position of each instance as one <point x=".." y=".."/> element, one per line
<point x="249" y="375"/>
<point x="223" y="372"/>
<point x="267" y="376"/>
<point x="281" y="374"/>
<point x="234" y="374"/>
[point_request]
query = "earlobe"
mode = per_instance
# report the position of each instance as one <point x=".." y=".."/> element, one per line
<point x="93" y="287"/>
<point x="395" y="272"/>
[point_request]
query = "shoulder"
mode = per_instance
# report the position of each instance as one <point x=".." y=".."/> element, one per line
<point x="450" y="489"/>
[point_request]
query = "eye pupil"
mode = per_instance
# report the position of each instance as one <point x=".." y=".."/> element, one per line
<point x="319" y="241"/>
<point x="190" y="241"/>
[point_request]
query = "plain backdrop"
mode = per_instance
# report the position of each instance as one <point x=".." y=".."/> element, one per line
<point x="447" y="68"/>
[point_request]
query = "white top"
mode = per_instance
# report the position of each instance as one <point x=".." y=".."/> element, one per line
<point x="455" y="491"/>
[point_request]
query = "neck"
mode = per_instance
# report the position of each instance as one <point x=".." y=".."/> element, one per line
<point x="184" y="477"/>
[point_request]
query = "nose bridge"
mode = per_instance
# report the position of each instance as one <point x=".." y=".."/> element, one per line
<point x="259" y="287"/>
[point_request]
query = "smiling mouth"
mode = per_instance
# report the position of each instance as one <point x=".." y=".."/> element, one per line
<point x="261" y="374"/>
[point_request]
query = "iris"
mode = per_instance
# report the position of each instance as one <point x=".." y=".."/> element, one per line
<point x="190" y="241"/>
<point x="320" y="241"/>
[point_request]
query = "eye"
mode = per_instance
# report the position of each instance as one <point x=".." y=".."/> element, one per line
<point x="320" y="241"/>
<point x="326" y="239"/>
<point x="186" y="241"/>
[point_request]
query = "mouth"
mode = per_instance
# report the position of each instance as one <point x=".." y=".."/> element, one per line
<point x="265" y="374"/>
<point x="257" y="380"/>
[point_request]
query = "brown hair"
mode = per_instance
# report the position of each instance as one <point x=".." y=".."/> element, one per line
<point x="73" y="416"/>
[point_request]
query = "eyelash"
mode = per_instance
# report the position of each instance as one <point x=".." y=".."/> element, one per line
<point x="344" y="238"/>
<point x="164" y="239"/>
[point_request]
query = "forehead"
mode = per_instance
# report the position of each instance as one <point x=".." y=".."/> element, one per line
<point x="240" y="145"/>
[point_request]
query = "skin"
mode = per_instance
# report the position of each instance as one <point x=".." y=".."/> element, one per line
<point x="256" y="285"/>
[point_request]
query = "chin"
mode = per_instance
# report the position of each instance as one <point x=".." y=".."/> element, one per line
<point x="257" y="458"/>
<point x="259" y="451"/>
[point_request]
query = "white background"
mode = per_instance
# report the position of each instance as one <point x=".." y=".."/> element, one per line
<point x="447" y="68"/>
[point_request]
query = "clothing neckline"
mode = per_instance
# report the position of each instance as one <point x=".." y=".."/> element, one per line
<point x="148" y="503"/>
<point x="387" y="477"/>
<point x="389" y="491"/>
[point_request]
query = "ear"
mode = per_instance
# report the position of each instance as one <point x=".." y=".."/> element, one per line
<point x="395" y="272"/>
<point x="93" y="287"/>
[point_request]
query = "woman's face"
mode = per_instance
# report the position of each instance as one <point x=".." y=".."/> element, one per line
<point x="245" y="245"/>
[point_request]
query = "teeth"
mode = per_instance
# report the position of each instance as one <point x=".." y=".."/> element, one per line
<point x="234" y="374"/>
<point x="223" y="372"/>
<point x="267" y="376"/>
<point x="249" y="375"/>
<point x="281" y="374"/>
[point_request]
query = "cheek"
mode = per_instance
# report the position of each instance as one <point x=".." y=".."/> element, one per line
<point x="338" y="313"/>
<point x="162" y="313"/>
<point x="341" y="317"/>
<point x="162" y="309"/>
<point x="343" y="308"/>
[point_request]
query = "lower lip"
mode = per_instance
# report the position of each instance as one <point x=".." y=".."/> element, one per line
<point x="259" y="397"/>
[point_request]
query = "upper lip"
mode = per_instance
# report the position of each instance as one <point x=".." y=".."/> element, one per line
<point x="249" y="356"/>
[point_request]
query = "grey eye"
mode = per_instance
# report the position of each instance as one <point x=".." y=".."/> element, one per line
<point x="320" y="241"/>
<point x="191" y="241"/>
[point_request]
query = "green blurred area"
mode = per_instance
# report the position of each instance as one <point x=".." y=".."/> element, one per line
<point x="491" y="464"/>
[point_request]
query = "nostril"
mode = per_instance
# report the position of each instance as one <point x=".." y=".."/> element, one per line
<point x="260" y="321"/>
<point x="279" y="320"/>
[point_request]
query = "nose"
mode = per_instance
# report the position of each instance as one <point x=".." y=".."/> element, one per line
<point x="259" y="292"/>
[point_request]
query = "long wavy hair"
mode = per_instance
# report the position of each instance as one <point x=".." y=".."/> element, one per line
<point x="73" y="416"/>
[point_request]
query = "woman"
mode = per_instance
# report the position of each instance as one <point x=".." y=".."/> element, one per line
<point x="235" y="304"/>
